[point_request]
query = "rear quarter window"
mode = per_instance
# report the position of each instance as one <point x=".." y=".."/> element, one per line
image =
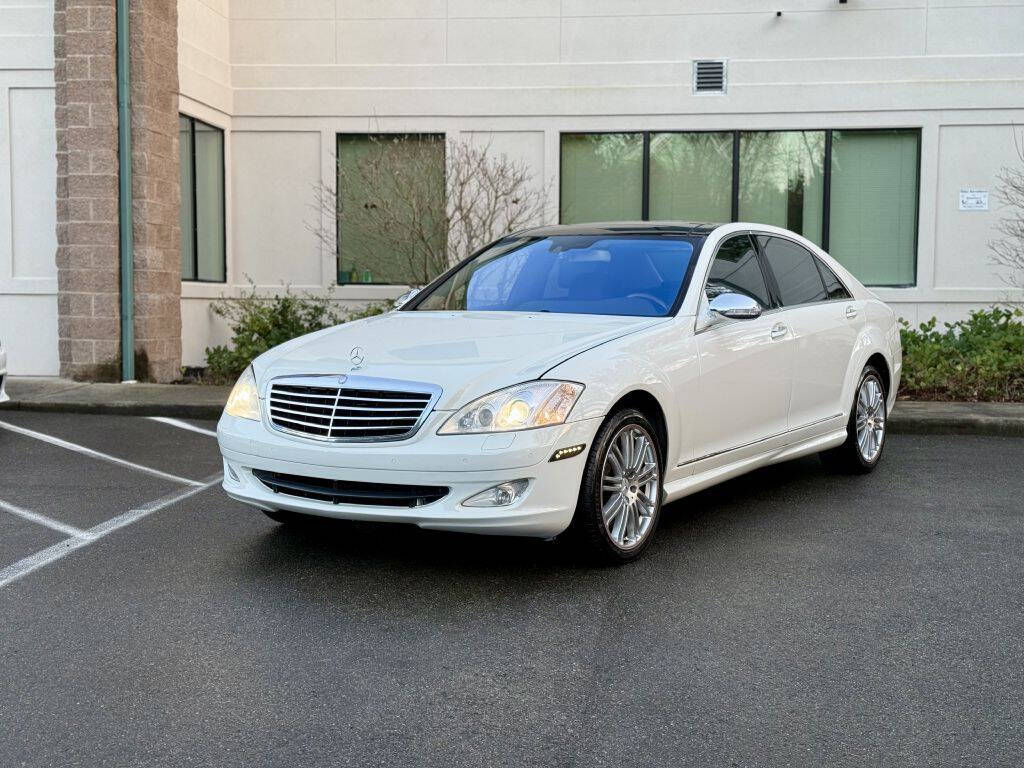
<point x="834" y="288"/>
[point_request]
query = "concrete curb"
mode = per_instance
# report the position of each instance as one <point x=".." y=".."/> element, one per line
<point x="173" y="410"/>
<point x="962" y="424"/>
<point x="188" y="401"/>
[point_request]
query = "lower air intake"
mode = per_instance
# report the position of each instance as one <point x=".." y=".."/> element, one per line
<point x="351" y="492"/>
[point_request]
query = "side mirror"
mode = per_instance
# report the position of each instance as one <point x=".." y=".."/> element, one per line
<point x="735" y="306"/>
<point x="404" y="298"/>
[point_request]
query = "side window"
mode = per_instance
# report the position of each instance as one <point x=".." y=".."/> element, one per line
<point x="793" y="266"/>
<point x="737" y="270"/>
<point x="833" y="287"/>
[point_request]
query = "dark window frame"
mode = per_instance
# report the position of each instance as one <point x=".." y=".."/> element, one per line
<point x="192" y="197"/>
<point x="337" y="182"/>
<point x="826" y="201"/>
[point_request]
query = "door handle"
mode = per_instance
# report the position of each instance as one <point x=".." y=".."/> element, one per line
<point x="851" y="311"/>
<point x="779" y="330"/>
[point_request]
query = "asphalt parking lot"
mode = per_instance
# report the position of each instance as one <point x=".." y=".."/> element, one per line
<point x="791" y="617"/>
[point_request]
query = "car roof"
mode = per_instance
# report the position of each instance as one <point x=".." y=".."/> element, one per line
<point x="624" y="228"/>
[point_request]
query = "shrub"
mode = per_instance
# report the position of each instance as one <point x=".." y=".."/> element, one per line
<point x="980" y="358"/>
<point x="260" y="323"/>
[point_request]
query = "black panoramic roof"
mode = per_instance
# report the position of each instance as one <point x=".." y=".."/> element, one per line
<point x="624" y="228"/>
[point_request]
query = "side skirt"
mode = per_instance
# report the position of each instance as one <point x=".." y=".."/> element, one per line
<point x="677" y="489"/>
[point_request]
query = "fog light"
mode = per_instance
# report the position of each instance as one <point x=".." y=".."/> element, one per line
<point x="231" y="472"/>
<point x="500" y="495"/>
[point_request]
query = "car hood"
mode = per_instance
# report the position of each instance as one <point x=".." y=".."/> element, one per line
<point x="467" y="354"/>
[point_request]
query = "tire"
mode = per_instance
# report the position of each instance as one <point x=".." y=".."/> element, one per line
<point x="635" y="511"/>
<point x="858" y="455"/>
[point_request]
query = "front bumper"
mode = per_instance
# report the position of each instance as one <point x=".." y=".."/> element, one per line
<point x="466" y="464"/>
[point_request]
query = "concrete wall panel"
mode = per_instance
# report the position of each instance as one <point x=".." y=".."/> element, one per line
<point x="971" y="156"/>
<point x="273" y="176"/>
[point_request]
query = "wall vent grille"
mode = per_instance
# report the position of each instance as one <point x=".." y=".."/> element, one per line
<point x="709" y="76"/>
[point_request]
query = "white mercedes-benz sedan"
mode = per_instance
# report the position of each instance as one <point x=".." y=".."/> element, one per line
<point x="571" y="379"/>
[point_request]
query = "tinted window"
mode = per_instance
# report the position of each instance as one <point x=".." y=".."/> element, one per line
<point x="833" y="287"/>
<point x="737" y="270"/>
<point x="794" y="270"/>
<point x="581" y="274"/>
<point x="201" y="214"/>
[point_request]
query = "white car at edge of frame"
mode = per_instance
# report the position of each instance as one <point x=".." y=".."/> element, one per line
<point x="4" y="397"/>
<point x="571" y="380"/>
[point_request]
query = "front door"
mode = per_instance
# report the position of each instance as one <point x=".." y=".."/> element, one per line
<point x="746" y="366"/>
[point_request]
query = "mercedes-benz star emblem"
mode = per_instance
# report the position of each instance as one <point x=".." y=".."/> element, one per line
<point x="357" y="355"/>
<point x="342" y="379"/>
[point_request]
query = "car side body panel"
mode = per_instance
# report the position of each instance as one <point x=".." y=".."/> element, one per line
<point x="661" y="361"/>
<point x="824" y="340"/>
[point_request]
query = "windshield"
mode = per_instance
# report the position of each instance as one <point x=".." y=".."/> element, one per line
<point x="633" y="275"/>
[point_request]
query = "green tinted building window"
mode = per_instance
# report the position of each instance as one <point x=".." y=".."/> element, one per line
<point x="853" y="192"/>
<point x="781" y="180"/>
<point x="873" y="224"/>
<point x="691" y="176"/>
<point x="201" y="215"/>
<point x="601" y="177"/>
<point x="390" y="178"/>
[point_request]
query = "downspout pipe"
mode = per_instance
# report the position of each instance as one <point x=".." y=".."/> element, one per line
<point x="124" y="198"/>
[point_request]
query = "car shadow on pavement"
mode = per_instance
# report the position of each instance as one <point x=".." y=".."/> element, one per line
<point x="339" y="546"/>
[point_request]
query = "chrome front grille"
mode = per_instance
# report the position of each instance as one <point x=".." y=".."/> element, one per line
<point x="348" y="408"/>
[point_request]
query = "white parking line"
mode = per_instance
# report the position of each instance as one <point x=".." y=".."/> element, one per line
<point x="57" y="551"/>
<point x="49" y="522"/>
<point x="96" y="454"/>
<point x="182" y="425"/>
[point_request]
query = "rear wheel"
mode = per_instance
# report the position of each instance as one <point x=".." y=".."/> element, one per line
<point x="620" y="496"/>
<point x="865" y="431"/>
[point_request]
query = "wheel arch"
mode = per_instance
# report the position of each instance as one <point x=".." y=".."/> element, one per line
<point x="649" y="406"/>
<point x="877" y="359"/>
<point x="871" y="349"/>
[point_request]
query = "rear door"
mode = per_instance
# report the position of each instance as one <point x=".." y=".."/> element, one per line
<point x="745" y="365"/>
<point x="824" y="322"/>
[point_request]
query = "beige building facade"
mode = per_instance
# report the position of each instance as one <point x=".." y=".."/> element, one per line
<point x="264" y="89"/>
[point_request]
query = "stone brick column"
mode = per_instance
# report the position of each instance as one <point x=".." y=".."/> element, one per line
<point x="154" y="63"/>
<point x="88" y="303"/>
<point x="88" y="262"/>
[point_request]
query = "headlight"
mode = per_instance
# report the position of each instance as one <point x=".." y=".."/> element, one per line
<point x="244" y="400"/>
<point x="524" y="406"/>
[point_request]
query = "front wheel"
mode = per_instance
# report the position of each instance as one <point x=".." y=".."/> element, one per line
<point x="620" y="496"/>
<point x="865" y="431"/>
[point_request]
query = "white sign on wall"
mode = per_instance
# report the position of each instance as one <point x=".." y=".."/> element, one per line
<point x="973" y="199"/>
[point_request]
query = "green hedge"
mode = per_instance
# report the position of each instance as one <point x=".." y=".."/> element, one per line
<point x="980" y="358"/>
<point x="258" y="324"/>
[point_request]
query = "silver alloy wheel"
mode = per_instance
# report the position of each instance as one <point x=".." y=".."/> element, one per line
<point x="870" y="418"/>
<point x="630" y="482"/>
